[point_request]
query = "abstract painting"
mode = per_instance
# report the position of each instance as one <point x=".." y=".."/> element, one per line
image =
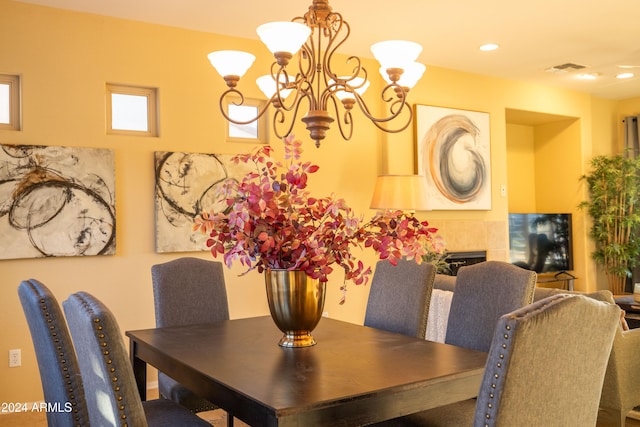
<point x="453" y="154"/>
<point x="56" y="201"/>
<point x="187" y="184"/>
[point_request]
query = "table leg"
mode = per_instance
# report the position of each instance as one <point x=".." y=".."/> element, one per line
<point x="139" y="370"/>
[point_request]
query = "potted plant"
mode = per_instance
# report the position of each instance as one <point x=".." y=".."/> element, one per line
<point x="614" y="191"/>
<point x="274" y="225"/>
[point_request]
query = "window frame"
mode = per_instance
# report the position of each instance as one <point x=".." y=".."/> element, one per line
<point x="150" y="93"/>
<point x="15" y="116"/>
<point x="262" y="136"/>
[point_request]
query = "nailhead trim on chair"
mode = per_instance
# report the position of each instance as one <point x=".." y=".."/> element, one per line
<point x="497" y="376"/>
<point x="106" y="352"/>
<point x="62" y="361"/>
<point x="114" y="376"/>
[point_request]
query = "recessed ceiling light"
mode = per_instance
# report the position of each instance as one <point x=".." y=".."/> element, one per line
<point x="588" y="76"/>
<point x="624" y="75"/>
<point x="488" y="47"/>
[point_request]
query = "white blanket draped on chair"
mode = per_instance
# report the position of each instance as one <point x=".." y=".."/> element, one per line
<point x="438" y="315"/>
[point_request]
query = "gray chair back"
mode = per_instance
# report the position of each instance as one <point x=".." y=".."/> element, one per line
<point x="104" y="362"/>
<point x="57" y="361"/>
<point x="113" y="398"/>
<point x="399" y="297"/>
<point x="621" y="387"/>
<point x="542" y="357"/>
<point x="483" y="293"/>
<point x="189" y="291"/>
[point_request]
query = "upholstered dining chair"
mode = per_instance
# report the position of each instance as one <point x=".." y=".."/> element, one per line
<point x="621" y="388"/>
<point x="399" y="297"/>
<point x="188" y="291"/>
<point x="484" y="292"/>
<point x="57" y="361"/>
<point x="111" y="393"/>
<point x="542" y="356"/>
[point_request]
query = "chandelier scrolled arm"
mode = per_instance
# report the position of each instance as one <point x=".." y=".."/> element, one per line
<point x="286" y="86"/>
<point x="234" y="94"/>
<point x="397" y="105"/>
<point x="280" y="118"/>
<point x="315" y="38"/>
<point x="345" y="125"/>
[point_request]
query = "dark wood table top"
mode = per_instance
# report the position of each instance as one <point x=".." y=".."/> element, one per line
<point x="353" y="376"/>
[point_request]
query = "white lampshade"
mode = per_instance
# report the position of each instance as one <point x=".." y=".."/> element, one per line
<point x="396" y="53"/>
<point x="267" y="85"/>
<point x="353" y="83"/>
<point x="412" y="73"/>
<point x="283" y="36"/>
<point x="403" y="192"/>
<point x="231" y="62"/>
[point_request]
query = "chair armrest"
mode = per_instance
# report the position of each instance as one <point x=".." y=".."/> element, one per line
<point x="622" y="381"/>
<point x="626" y="353"/>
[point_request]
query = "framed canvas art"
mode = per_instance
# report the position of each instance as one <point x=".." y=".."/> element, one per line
<point x="187" y="184"/>
<point x="56" y="201"/>
<point x="453" y="154"/>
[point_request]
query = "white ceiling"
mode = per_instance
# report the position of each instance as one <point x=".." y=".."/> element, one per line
<point x="533" y="35"/>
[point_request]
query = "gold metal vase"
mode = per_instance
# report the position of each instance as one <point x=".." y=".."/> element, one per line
<point x="296" y="302"/>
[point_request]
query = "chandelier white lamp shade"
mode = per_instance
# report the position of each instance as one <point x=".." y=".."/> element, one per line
<point x="314" y="38"/>
<point x="268" y="86"/>
<point x="395" y="53"/>
<point x="231" y="64"/>
<point x="283" y="39"/>
<point x="413" y="72"/>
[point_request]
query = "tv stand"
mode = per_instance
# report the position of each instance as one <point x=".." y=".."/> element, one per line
<point x="563" y="277"/>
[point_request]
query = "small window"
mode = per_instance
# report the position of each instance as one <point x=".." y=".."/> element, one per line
<point x="132" y="110"/>
<point x="255" y="131"/>
<point x="9" y="102"/>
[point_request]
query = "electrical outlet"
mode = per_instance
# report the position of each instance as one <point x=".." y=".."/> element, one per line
<point x="503" y="190"/>
<point x="15" y="357"/>
<point x="325" y="314"/>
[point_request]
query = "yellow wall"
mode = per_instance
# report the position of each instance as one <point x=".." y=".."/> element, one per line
<point x="627" y="107"/>
<point x="65" y="59"/>
<point x="558" y="172"/>
<point x="544" y="176"/>
<point x="521" y="163"/>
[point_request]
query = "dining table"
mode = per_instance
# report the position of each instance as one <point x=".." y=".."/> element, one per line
<point x="355" y="375"/>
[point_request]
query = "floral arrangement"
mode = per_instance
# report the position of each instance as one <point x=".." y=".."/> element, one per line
<point x="271" y="221"/>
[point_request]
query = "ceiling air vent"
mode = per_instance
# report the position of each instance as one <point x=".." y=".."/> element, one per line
<point x="565" y="68"/>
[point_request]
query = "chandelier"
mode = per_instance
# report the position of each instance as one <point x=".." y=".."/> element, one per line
<point x="315" y="37"/>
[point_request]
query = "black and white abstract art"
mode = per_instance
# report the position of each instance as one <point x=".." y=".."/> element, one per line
<point x="186" y="185"/>
<point x="453" y="153"/>
<point x="56" y="201"/>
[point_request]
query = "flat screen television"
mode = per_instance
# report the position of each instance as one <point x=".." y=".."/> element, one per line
<point x="540" y="241"/>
